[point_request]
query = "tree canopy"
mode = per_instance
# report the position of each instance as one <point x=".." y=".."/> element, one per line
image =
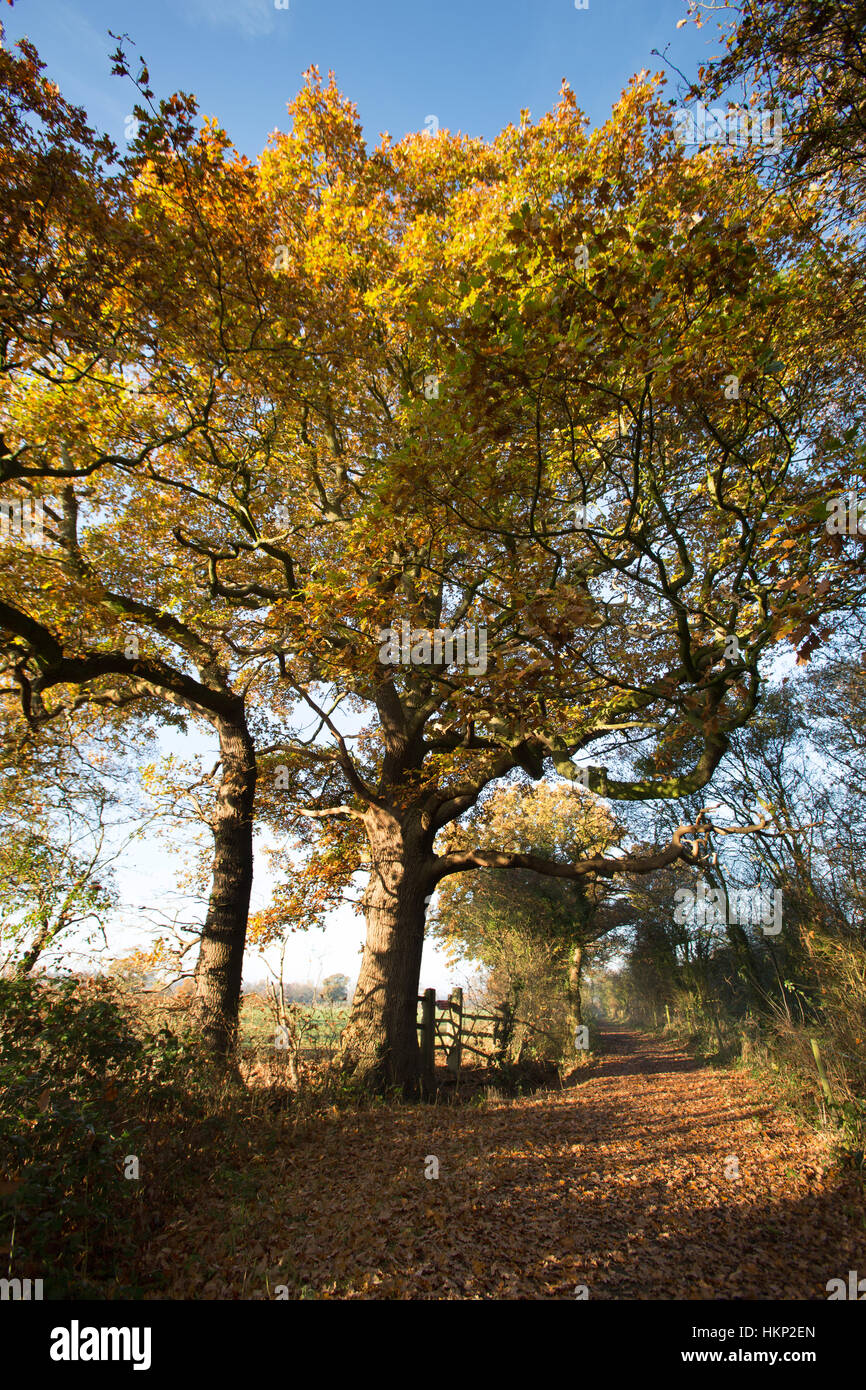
<point x="569" y="390"/>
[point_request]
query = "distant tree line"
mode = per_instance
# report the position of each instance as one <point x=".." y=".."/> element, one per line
<point x="334" y="989"/>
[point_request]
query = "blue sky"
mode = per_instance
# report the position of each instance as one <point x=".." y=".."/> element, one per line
<point x="471" y="65"/>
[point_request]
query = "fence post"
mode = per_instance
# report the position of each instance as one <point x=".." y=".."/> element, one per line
<point x="455" y="1051"/>
<point x="428" y="1040"/>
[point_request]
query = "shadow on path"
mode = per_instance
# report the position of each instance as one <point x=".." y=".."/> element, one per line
<point x="652" y="1178"/>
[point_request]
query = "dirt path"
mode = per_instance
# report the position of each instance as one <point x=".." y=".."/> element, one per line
<point x="652" y="1178"/>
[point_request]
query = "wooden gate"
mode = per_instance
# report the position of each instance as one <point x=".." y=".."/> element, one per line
<point x="446" y="1028"/>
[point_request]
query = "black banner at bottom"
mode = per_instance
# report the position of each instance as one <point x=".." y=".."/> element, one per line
<point x="89" y="1340"/>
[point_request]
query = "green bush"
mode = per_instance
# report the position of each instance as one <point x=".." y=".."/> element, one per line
<point x="76" y="1079"/>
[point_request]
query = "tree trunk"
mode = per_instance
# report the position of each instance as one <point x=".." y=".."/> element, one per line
<point x="43" y="938"/>
<point x="575" y="966"/>
<point x="380" y="1041"/>
<point x="745" y="961"/>
<point x="219" y="968"/>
